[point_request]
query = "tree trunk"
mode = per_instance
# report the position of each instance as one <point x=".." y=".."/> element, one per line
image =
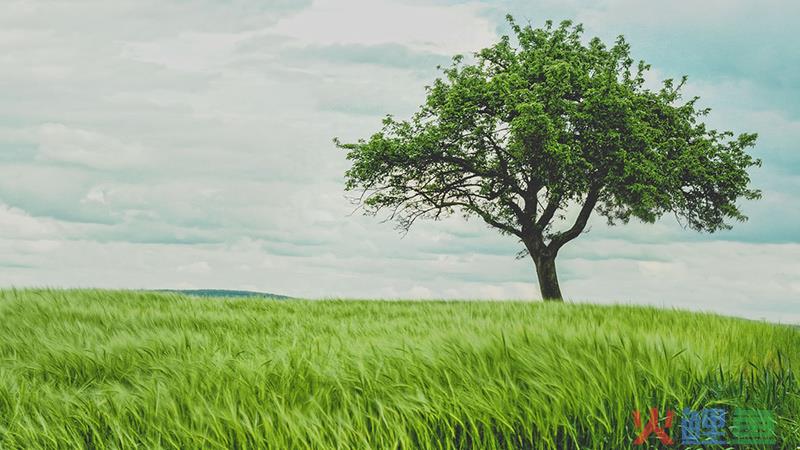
<point x="548" y="279"/>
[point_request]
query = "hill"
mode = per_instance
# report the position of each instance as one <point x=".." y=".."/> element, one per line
<point x="222" y="293"/>
<point x="117" y="369"/>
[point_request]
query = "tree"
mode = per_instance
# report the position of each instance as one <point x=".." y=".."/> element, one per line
<point x="534" y="136"/>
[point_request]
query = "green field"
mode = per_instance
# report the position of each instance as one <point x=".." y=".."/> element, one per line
<point x="105" y="369"/>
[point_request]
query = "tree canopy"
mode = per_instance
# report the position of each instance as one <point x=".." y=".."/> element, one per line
<point x="533" y="135"/>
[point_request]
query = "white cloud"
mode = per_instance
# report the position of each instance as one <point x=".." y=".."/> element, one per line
<point x="188" y="51"/>
<point x="446" y="29"/>
<point x="95" y="195"/>
<point x="58" y="142"/>
<point x="16" y="223"/>
<point x="199" y="267"/>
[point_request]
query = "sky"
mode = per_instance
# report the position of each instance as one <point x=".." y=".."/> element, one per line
<point x="172" y="144"/>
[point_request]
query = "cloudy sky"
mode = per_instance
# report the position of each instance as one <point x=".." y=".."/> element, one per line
<point x="172" y="144"/>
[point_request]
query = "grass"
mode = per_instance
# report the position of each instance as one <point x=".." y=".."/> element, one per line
<point x="108" y="369"/>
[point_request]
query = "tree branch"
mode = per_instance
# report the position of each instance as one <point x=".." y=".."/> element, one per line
<point x="580" y="223"/>
<point x="548" y="212"/>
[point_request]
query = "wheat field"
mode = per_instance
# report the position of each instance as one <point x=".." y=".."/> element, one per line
<point x="123" y="370"/>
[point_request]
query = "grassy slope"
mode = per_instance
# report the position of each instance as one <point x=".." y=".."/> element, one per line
<point x="125" y="370"/>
